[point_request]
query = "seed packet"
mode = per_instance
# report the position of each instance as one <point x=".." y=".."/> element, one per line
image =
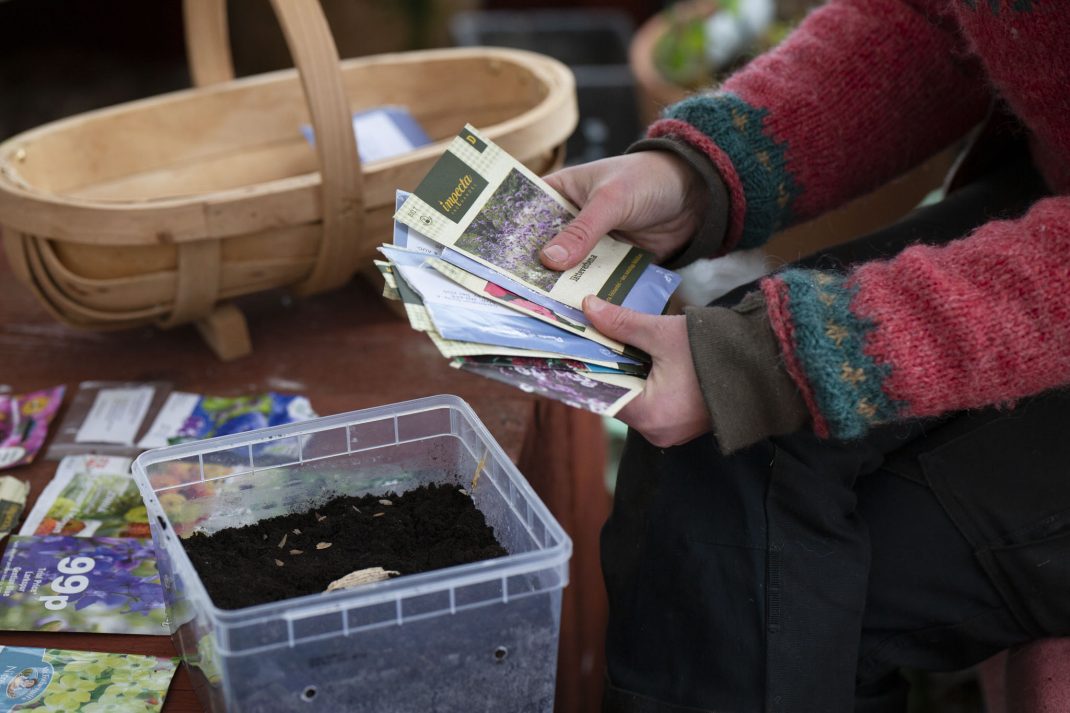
<point x="107" y="418"/>
<point x="89" y="496"/>
<point x="188" y="417"/>
<point x="604" y="394"/>
<point x="496" y="293"/>
<point x="99" y="585"/>
<point x="13" y="494"/>
<point x="459" y="314"/>
<point x="24" y="420"/>
<point x="47" y="680"/>
<point x="483" y="203"/>
<point x="405" y="237"/>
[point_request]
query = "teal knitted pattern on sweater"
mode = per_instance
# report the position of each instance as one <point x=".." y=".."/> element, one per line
<point x="737" y="128"/>
<point x="993" y="5"/>
<point x="829" y="342"/>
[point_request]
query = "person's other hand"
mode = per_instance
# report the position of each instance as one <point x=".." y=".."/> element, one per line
<point x="670" y="410"/>
<point x="651" y="199"/>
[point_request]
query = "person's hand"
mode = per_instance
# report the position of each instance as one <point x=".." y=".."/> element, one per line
<point x="670" y="410"/>
<point x="651" y="199"/>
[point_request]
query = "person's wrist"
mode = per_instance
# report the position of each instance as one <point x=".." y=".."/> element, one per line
<point x="705" y="189"/>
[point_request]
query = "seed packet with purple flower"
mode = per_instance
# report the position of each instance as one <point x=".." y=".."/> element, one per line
<point x="103" y="585"/>
<point x="483" y="203"/>
<point x="405" y="237"/>
<point x="544" y="362"/>
<point x="604" y="394"/>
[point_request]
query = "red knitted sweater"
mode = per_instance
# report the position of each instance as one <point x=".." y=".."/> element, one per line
<point x="862" y="91"/>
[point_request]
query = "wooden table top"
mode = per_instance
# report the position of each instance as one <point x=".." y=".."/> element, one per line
<point x="345" y="350"/>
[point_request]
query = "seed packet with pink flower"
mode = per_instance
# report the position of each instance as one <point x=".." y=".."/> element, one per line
<point x="24" y="420"/>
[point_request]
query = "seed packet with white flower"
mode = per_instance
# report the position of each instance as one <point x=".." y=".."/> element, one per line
<point x="61" y="680"/>
<point x="499" y="295"/>
<point x="461" y="315"/>
<point x="483" y="203"/>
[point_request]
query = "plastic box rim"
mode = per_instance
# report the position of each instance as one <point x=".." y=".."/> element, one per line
<point x="410" y="585"/>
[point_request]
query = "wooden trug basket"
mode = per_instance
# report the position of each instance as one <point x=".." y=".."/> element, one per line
<point x="159" y="210"/>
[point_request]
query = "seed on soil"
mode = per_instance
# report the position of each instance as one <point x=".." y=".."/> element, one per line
<point x="296" y="531"/>
<point x="322" y="545"/>
<point x="362" y="576"/>
<point x="282" y="543"/>
<point x="320" y="518"/>
<point x="411" y="546"/>
<point x="479" y="469"/>
<point x="278" y="562"/>
<point x="385" y="502"/>
<point x="356" y="508"/>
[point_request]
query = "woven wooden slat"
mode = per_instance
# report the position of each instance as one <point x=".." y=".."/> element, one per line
<point x="157" y="211"/>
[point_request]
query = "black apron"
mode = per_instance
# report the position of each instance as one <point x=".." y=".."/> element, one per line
<point x="799" y="575"/>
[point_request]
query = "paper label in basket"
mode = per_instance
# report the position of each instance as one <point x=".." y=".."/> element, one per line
<point x="483" y="203"/>
<point x="382" y="133"/>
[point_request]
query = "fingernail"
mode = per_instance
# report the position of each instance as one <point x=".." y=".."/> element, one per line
<point x="593" y="304"/>
<point x="555" y="253"/>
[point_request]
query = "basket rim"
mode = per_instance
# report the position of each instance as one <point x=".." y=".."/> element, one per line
<point x="29" y="209"/>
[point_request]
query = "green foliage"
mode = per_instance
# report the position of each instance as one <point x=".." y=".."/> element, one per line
<point x="680" y="54"/>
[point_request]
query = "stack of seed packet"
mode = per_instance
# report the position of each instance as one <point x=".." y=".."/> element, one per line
<point x="465" y="264"/>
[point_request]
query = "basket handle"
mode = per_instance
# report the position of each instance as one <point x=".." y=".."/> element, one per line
<point x="313" y="50"/>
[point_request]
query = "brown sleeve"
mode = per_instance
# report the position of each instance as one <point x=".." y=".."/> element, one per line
<point x="747" y="390"/>
<point x="707" y="241"/>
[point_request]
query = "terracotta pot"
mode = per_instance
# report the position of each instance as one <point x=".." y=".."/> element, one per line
<point x="654" y="91"/>
<point x="861" y="216"/>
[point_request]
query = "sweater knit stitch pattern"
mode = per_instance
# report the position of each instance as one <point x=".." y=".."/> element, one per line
<point x="860" y="92"/>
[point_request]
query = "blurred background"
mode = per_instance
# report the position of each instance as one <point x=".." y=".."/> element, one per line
<point x="62" y="57"/>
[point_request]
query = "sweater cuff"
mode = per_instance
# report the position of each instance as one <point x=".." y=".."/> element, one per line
<point x="711" y="233"/>
<point x="749" y="393"/>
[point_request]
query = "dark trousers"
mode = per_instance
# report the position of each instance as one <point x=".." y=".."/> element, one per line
<point x="801" y="575"/>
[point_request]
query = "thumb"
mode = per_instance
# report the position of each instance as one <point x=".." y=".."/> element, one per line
<point x="568" y="248"/>
<point x="625" y="325"/>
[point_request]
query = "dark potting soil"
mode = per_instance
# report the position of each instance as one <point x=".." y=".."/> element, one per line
<point x="431" y="527"/>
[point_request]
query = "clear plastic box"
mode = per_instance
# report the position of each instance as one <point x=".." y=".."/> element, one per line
<point x="477" y="637"/>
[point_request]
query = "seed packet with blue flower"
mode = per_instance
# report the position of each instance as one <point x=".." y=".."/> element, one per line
<point x="100" y="585"/>
<point x="483" y="203"/>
